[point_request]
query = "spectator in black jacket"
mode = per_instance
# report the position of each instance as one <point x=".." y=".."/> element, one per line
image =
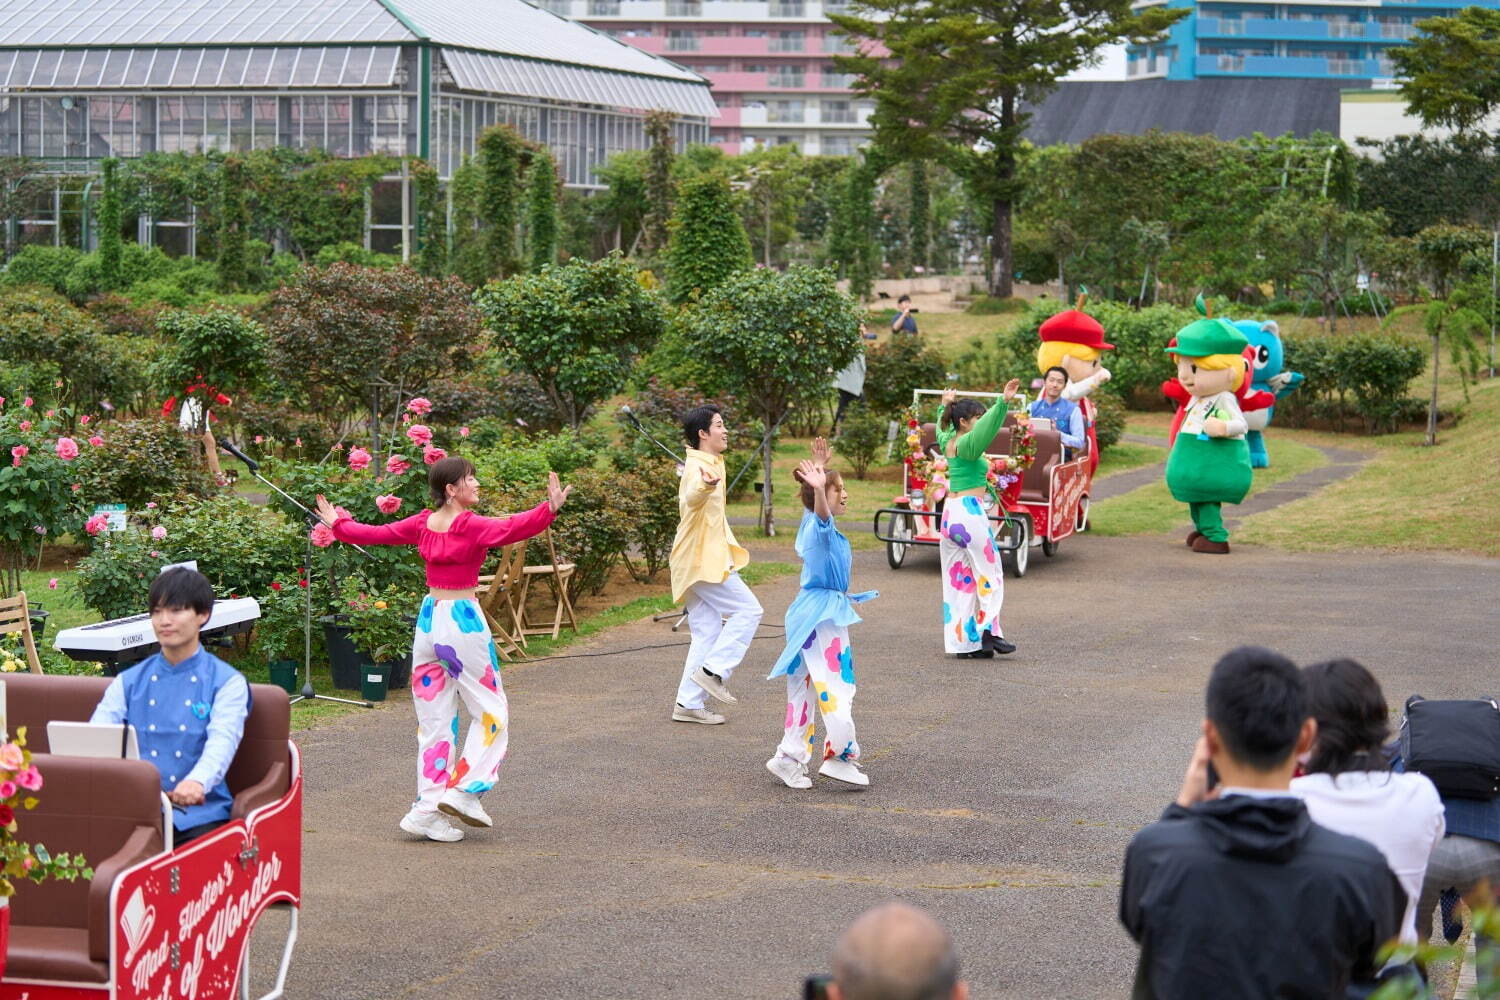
<point x="1235" y="892"/>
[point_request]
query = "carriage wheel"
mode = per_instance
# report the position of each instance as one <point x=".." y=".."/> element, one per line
<point x="1021" y="554"/>
<point x="895" y="552"/>
<point x="1049" y="548"/>
<point x="1082" y="522"/>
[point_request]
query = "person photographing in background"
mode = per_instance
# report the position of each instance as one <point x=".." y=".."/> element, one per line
<point x="905" y="321"/>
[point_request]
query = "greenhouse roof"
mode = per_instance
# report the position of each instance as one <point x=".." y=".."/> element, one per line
<point x="486" y="43"/>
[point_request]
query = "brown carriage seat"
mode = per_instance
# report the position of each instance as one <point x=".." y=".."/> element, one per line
<point x="60" y="930"/>
<point x="259" y="774"/>
<point x="110" y="812"/>
<point x="1036" y="482"/>
<point x="1001" y="444"/>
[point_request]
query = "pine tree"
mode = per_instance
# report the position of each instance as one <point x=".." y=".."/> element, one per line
<point x="659" y="160"/>
<point x="234" y="220"/>
<point x="500" y="148"/>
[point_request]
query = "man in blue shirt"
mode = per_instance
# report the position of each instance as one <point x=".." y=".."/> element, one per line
<point x="1064" y="414"/>
<point x="187" y="705"/>
<point x="904" y="322"/>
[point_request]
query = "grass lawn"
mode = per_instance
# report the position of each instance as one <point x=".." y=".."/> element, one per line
<point x="1125" y="456"/>
<point x="1150" y="509"/>
<point x="951" y="332"/>
<point x="1408" y="497"/>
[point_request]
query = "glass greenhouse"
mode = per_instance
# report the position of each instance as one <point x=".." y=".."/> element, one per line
<point x="81" y="80"/>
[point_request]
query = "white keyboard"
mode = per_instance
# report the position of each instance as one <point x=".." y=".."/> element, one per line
<point x="125" y="640"/>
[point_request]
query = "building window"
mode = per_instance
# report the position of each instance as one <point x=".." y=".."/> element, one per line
<point x="682" y="40"/>
<point x="788" y="8"/>
<point x="839" y="145"/>
<point x="786" y="111"/>
<point x="789" y="41"/>
<point x="787" y="76"/>
<point x="838" y="112"/>
<point x="604" y="8"/>
<point x="684" y="8"/>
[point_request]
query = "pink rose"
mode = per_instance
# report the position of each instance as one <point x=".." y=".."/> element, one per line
<point x="51" y="585"/>
<point x="26" y="425"/>
<point x="463" y="432"/>
<point x="433" y="455"/>
<point x="40" y="529"/>
<point x="359" y="459"/>
<point x="77" y="487"/>
<point x="259" y="438"/>
<point x="67" y="449"/>
<point x="158" y="532"/>
<point x="83" y="421"/>
<point x="421" y="407"/>
<point x="17" y="453"/>
<point x="299" y="442"/>
<point x="11" y="758"/>
<point x="322" y="535"/>
<point x="419" y="433"/>
<point x="30" y="779"/>
<point x="96" y="441"/>
<point x="7" y="789"/>
<point x="388" y="504"/>
<point x="96" y="524"/>
<point x="50" y="414"/>
<point x="2" y="400"/>
<point x="150" y="504"/>
<point x="26" y="401"/>
<point x="396" y="465"/>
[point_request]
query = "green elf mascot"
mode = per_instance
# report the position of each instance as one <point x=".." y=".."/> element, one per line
<point x="1209" y="464"/>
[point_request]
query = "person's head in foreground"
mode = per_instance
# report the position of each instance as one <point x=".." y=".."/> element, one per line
<point x="703" y="428"/>
<point x="180" y="602"/>
<point x="896" y="952"/>
<point x="1346" y="702"/>
<point x="1257" y="719"/>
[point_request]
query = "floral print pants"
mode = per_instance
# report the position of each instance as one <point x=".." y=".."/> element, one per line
<point x="825" y="678"/>
<point x="973" y="585"/>
<point x="454" y="657"/>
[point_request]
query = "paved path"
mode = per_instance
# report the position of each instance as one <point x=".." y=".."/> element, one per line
<point x="637" y="858"/>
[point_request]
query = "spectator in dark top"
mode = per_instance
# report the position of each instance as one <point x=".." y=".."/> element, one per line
<point x="904" y="322"/>
<point x="1235" y="892"/>
<point x="896" y="952"/>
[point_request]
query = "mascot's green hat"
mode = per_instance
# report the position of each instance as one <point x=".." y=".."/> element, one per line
<point x="1208" y="335"/>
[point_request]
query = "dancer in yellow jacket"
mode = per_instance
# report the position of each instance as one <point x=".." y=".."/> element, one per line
<point x="706" y="561"/>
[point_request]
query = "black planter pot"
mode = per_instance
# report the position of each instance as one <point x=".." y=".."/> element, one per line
<point x="346" y="663"/>
<point x="38" y="622"/>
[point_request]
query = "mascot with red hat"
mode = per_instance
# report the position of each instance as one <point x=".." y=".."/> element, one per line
<point x="1074" y="341"/>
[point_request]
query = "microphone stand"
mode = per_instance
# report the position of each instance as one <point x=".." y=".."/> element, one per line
<point x="308" y="694"/>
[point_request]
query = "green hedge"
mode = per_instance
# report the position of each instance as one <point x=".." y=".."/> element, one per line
<point x="1362" y="381"/>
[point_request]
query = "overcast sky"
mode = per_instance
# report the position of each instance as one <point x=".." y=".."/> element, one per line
<point x="1112" y="67"/>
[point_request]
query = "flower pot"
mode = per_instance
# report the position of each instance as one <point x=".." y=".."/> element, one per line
<point x="344" y="661"/>
<point x="38" y="622"/>
<point x="284" y="675"/>
<point x="375" y="679"/>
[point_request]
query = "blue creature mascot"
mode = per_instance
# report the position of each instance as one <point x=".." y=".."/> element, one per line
<point x="1267" y="376"/>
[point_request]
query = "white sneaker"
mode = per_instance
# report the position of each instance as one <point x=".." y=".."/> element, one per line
<point x="433" y="826"/>
<point x="844" y="770"/>
<point x="702" y="715"/>
<point x="465" y="807"/>
<point x="793" y="773"/>
<point x="713" y="686"/>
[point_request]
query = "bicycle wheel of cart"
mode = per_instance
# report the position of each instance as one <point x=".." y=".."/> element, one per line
<point x="1019" y="527"/>
<point x="895" y="552"/>
<point x="1082" y="522"/>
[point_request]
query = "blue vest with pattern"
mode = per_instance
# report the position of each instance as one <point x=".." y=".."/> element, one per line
<point x="170" y="708"/>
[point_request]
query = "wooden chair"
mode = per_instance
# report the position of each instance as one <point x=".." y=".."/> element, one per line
<point x="14" y="614"/>
<point x="558" y="576"/>
<point x="498" y="600"/>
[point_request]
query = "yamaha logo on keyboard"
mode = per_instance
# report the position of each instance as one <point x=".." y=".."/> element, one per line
<point x="137" y="639"/>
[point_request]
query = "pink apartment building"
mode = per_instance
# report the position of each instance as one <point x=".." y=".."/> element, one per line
<point x="770" y="63"/>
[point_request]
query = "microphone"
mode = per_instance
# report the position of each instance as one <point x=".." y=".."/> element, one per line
<point x="250" y="463"/>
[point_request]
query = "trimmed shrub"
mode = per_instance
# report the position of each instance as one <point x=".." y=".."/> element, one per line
<point x="708" y="241"/>
<point x="1109" y="420"/>
<point x="43" y="266"/>
<point x="1365" y="378"/>
<point x="862" y="437"/>
<point x="896" y="367"/>
<point x="142" y="461"/>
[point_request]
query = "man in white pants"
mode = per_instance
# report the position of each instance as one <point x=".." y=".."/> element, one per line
<point x="721" y="611"/>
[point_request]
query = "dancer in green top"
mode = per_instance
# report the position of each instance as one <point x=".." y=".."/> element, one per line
<point x="973" y="588"/>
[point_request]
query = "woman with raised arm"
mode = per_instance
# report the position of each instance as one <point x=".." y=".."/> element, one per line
<point x="452" y="652"/>
<point x="818" y="663"/>
<point x="973" y="587"/>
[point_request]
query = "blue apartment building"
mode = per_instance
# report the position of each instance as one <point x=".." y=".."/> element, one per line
<point x="1321" y="40"/>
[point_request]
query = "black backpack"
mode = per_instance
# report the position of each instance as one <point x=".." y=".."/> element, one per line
<point x="1455" y="743"/>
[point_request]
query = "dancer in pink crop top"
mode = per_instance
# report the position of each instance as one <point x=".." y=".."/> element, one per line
<point x="452" y="652"/>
